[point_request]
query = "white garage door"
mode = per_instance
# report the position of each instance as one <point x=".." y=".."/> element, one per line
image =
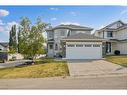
<point x="84" y="51"/>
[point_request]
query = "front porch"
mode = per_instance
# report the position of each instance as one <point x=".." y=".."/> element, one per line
<point x="110" y="47"/>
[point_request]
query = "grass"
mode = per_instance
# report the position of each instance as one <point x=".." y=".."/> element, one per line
<point x="51" y="69"/>
<point x="121" y="60"/>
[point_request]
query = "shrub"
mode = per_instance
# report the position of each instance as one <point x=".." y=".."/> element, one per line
<point x="117" y="52"/>
<point x="11" y="59"/>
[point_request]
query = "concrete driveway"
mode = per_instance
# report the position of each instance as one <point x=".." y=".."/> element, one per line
<point x="94" y="68"/>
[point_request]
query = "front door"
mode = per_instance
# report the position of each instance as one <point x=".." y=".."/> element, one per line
<point x="108" y="47"/>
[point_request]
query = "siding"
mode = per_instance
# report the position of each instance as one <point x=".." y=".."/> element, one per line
<point x="122" y="34"/>
<point x="122" y="47"/>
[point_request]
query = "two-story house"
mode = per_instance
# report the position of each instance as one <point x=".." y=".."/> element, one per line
<point x="56" y="34"/>
<point x="116" y="37"/>
<point x="74" y="42"/>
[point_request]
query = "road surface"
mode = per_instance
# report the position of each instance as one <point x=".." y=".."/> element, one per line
<point x="117" y="82"/>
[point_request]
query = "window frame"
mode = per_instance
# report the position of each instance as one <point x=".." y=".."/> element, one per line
<point x="50" y="45"/>
<point x="109" y="33"/>
<point x="79" y="45"/>
<point x="56" y="46"/>
<point x="96" y="45"/>
<point x="62" y="32"/>
<point x="88" y="45"/>
<point x="70" y="45"/>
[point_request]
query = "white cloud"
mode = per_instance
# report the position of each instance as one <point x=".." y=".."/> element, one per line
<point x="73" y="13"/>
<point x="68" y="23"/>
<point x="54" y="9"/>
<point x="12" y="23"/>
<point x="53" y="19"/>
<point x="1" y="22"/>
<point x="4" y="12"/>
<point x="124" y="12"/>
<point x="5" y="27"/>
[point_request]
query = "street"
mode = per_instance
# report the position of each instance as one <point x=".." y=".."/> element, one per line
<point x="116" y="82"/>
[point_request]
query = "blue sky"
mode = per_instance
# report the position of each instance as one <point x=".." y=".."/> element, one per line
<point x="91" y="16"/>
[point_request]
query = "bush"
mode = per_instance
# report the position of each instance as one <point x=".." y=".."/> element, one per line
<point x="11" y="59"/>
<point x="117" y="52"/>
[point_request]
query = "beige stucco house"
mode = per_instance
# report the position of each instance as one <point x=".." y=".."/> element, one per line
<point x="73" y="42"/>
<point x="116" y="37"/>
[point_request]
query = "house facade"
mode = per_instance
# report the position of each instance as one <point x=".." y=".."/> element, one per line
<point x="56" y="34"/>
<point x="4" y="46"/>
<point x="116" y="37"/>
<point x="73" y="42"/>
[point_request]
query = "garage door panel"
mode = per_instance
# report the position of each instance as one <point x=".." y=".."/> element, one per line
<point x="83" y="52"/>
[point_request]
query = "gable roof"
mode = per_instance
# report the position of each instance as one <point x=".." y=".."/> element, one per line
<point x="71" y="26"/>
<point x="4" y="44"/>
<point x="109" y="26"/>
<point x="123" y="27"/>
<point x="82" y="36"/>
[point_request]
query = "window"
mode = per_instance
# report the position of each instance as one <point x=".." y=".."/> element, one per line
<point x="70" y="45"/>
<point x="51" y="46"/>
<point x="88" y="45"/>
<point x="50" y="34"/>
<point x="109" y="33"/>
<point x="79" y="45"/>
<point x="96" y="45"/>
<point x="56" y="47"/>
<point x="62" y="32"/>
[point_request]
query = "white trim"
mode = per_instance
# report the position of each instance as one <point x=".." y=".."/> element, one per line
<point x="83" y="39"/>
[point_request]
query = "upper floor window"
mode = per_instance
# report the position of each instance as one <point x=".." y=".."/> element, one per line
<point x="50" y="34"/>
<point x="109" y="33"/>
<point x="62" y="32"/>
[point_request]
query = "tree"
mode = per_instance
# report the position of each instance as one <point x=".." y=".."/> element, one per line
<point x="23" y="40"/>
<point x="13" y="40"/>
<point x="31" y="38"/>
<point x="19" y="38"/>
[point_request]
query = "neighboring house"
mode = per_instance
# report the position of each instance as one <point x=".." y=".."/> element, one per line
<point x="116" y="37"/>
<point x="4" y="46"/>
<point x="73" y="42"/>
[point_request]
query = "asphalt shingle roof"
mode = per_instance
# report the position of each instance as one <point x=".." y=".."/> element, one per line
<point x="82" y="36"/>
<point x="71" y="26"/>
<point x="4" y="44"/>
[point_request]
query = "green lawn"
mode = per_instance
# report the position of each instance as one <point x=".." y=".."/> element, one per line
<point x="121" y="60"/>
<point x="50" y="69"/>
